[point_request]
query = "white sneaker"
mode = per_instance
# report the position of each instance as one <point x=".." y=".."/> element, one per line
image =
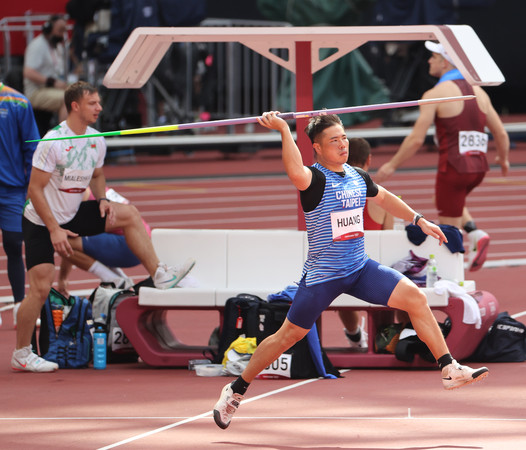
<point x="454" y="375"/>
<point x="362" y="343"/>
<point x="478" y="249"/>
<point x="122" y="283"/>
<point x="226" y="406"/>
<point x="168" y="277"/>
<point x="24" y="360"/>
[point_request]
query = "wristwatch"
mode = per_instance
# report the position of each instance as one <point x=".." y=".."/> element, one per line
<point x="417" y="217"/>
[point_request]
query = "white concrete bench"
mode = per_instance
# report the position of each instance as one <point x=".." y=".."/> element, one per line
<point x="259" y="262"/>
<point x="263" y="262"/>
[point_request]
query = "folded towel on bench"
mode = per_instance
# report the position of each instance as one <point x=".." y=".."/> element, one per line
<point x="471" y="307"/>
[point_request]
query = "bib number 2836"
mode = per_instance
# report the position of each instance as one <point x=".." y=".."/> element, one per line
<point x="472" y="141"/>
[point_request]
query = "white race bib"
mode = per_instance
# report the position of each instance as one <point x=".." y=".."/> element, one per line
<point x="472" y="141"/>
<point x="119" y="340"/>
<point x="347" y="224"/>
<point x="75" y="181"/>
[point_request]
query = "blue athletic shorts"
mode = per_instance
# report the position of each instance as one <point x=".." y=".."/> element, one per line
<point x="110" y="249"/>
<point x="11" y="208"/>
<point x="373" y="283"/>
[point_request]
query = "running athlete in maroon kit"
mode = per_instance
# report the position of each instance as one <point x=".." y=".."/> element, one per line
<point x="463" y="145"/>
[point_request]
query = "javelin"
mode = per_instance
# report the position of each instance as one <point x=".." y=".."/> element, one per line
<point x="284" y="116"/>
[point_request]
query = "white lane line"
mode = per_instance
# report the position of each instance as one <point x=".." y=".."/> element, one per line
<point x="505" y="263"/>
<point x="281" y="418"/>
<point x="230" y="220"/>
<point x="181" y="190"/>
<point x="508" y="241"/>
<point x="217" y="210"/>
<point x="401" y="417"/>
<point x="217" y="199"/>
<point x="206" y="414"/>
<point x="93" y="418"/>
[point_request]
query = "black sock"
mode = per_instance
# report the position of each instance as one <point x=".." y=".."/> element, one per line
<point x="445" y="360"/>
<point x="470" y="226"/>
<point x="239" y="386"/>
<point x="355" y="337"/>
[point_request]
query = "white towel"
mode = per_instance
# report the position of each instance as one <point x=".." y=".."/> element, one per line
<point x="471" y="307"/>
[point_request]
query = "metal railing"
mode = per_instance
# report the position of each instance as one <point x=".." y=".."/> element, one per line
<point x="240" y="82"/>
<point x="251" y="81"/>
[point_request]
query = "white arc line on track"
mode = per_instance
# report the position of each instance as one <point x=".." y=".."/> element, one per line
<point x="206" y="414"/>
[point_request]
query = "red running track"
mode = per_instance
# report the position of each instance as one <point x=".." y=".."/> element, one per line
<point x="135" y="406"/>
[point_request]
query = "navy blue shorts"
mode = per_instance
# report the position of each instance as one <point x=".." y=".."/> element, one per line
<point x="373" y="283"/>
<point x="110" y="249"/>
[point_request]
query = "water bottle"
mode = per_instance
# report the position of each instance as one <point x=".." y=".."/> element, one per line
<point x="432" y="272"/>
<point x="99" y="347"/>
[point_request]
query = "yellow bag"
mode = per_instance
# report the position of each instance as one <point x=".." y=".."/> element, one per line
<point x="242" y="345"/>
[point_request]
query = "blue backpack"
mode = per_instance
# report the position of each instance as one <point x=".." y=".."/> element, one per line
<point x="69" y="344"/>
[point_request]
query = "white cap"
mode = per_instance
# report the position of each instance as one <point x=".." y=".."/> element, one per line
<point x="435" y="47"/>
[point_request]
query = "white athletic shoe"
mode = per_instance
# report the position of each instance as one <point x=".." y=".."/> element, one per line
<point x="168" y="277"/>
<point x="122" y="282"/>
<point x="362" y="343"/>
<point x="478" y="249"/>
<point x="454" y="375"/>
<point x="226" y="406"/>
<point x="24" y="360"/>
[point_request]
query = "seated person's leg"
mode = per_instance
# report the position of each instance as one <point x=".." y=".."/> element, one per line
<point x="110" y="249"/>
<point x="88" y="222"/>
<point x="355" y="334"/>
<point x="128" y="219"/>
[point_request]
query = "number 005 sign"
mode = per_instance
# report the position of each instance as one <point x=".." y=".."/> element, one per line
<point x="280" y="368"/>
